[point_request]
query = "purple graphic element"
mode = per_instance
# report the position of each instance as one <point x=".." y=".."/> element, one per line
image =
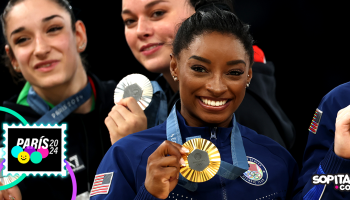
<point x="44" y="152"/>
<point x="336" y="187"/>
<point x="2" y="164"/>
<point x="29" y="149"/>
<point x="74" y="181"/>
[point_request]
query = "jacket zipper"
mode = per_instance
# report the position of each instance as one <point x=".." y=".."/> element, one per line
<point x="213" y="132"/>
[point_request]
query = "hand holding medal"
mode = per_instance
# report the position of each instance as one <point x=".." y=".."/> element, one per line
<point x="202" y="161"/>
<point x="131" y="96"/>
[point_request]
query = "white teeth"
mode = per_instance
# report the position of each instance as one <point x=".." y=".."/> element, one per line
<point x="213" y="103"/>
<point x="152" y="47"/>
<point x="47" y="65"/>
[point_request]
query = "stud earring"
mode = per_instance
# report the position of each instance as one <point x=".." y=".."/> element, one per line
<point x="248" y="75"/>
<point x="82" y="46"/>
<point x="247" y="85"/>
<point x="175" y="78"/>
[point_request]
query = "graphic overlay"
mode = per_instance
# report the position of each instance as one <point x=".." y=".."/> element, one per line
<point x="341" y="181"/>
<point x="202" y="161"/>
<point x="34" y="149"/>
<point x="10" y="182"/>
<point x="256" y="174"/>
<point x="137" y="86"/>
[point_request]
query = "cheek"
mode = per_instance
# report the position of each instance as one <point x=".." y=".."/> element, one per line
<point x="165" y="31"/>
<point x="131" y="38"/>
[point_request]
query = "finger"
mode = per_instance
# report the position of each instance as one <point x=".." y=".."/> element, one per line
<point x="343" y="111"/>
<point x="170" y="173"/>
<point x="116" y="116"/>
<point x="123" y="111"/>
<point x="111" y="125"/>
<point x="181" y="148"/>
<point x="169" y="161"/>
<point x="131" y="103"/>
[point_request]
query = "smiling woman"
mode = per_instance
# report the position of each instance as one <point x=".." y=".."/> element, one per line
<point x="44" y="42"/>
<point x="212" y="61"/>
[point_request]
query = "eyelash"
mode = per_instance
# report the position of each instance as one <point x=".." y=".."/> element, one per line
<point x="161" y="12"/>
<point x="128" y="22"/>
<point x="202" y="70"/>
<point x="236" y="72"/>
<point x="56" y="28"/>
<point x="20" y="40"/>
<point x="198" y="69"/>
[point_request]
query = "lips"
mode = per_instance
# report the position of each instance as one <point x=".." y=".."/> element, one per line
<point x="46" y="65"/>
<point x="214" y="104"/>
<point x="151" y="48"/>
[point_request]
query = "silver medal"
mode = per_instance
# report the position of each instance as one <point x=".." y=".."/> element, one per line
<point x="137" y="86"/>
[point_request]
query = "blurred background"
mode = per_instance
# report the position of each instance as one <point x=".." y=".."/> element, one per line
<point x="305" y="39"/>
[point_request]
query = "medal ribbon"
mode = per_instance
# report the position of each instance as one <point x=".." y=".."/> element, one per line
<point x="62" y="110"/>
<point x="163" y="107"/>
<point x="226" y="170"/>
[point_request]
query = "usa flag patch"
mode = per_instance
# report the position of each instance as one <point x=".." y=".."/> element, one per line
<point x="101" y="184"/>
<point x="315" y="121"/>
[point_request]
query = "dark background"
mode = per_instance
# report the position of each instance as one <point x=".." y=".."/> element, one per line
<point x="306" y="40"/>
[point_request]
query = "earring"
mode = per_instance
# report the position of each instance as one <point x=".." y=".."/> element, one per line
<point x="247" y="85"/>
<point x="82" y="46"/>
<point x="248" y="75"/>
<point x="15" y="67"/>
<point x="175" y="78"/>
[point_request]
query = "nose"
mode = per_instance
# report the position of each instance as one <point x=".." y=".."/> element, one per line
<point x="42" y="49"/>
<point x="144" y="28"/>
<point x="216" y="86"/>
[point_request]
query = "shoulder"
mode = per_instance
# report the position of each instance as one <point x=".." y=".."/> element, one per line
<point x="338" y="96"/>
<point x="260" y="143"/>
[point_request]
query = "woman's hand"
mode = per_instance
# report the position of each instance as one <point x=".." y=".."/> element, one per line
<point x="125" y="118"/>
<point x="342" y="133"/>
<point x="163" y="167"/>
<point x="10" y="194"/>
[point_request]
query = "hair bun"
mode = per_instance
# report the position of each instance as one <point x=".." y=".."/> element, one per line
<point x="206" y="5"/>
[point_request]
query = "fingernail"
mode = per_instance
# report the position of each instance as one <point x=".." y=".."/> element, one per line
<point x="11" y="197"/>
<point x="185" y="150"/>
<point x="182" y="162"/>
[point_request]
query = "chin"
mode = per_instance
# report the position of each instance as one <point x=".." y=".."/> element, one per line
<point x="156" y="66"/>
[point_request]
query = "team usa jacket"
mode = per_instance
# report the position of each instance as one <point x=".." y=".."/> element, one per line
<point x="272" y="173"/>
<point x="319" y="157"/>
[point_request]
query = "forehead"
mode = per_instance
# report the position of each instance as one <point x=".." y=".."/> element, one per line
<point x="216" y="46"/>
<point x="31" y="12"/>
<point x="140" y="5"/>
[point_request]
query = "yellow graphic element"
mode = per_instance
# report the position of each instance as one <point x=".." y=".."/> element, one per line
<point x="23" y="157"/>
<point x="214" y="160"/>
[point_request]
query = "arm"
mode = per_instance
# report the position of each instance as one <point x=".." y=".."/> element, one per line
<point x="319" y="155"/>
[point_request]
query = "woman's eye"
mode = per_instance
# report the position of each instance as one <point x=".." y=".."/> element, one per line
<point x="198" y="69"/>
<point x="128" y="22"/>
<point x="236" y="72"/>
<point x="158" y="13"/>
<point x="57" y="28"/>
<point x="21" y="40"/>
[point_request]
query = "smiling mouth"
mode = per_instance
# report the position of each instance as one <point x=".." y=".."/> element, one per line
<point x="151" y="47"/>
<point x="23" y="159"/>
<point x="212" y="102"/>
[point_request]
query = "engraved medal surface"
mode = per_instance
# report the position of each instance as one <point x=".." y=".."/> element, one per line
<point x="202" y="161"/>
<point x="137" y="86"/>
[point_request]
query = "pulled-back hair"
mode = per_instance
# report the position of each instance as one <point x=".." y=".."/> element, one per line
<point x="17" y="77"/>
<point x="212" y="16"/>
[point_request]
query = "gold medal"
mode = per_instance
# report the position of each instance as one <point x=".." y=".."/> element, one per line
<point x="137" y="86"/>
<point x="202" y="161"/>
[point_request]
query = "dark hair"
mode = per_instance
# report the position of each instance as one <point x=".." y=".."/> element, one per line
<point x="17" y="77"/>
<point x="212" y="16"/>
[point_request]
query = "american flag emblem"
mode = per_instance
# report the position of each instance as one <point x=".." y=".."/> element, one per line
<point x="101" y="184"/>
<point x="315" y="121"/>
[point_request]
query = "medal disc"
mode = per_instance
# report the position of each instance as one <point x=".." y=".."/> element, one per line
<point x="8" y="179"/>
<point x="202" y="161"/>
<point x="137" y="86"/>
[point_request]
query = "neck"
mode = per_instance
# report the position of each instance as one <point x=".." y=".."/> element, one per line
<point x="59" y="93"/>
<point x="173" y="84"/>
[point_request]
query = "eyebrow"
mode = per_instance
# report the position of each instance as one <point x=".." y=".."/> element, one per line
<point x="232" y="62"/>
<point x="44" y="20"/>
<point x="200" y="59"/>
<point x="147" y="6"/>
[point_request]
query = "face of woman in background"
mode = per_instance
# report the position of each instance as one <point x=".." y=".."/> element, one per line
<point x="150" y="29"/>
<point x="44" y="46"/>
<point x="212" y="73"/>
